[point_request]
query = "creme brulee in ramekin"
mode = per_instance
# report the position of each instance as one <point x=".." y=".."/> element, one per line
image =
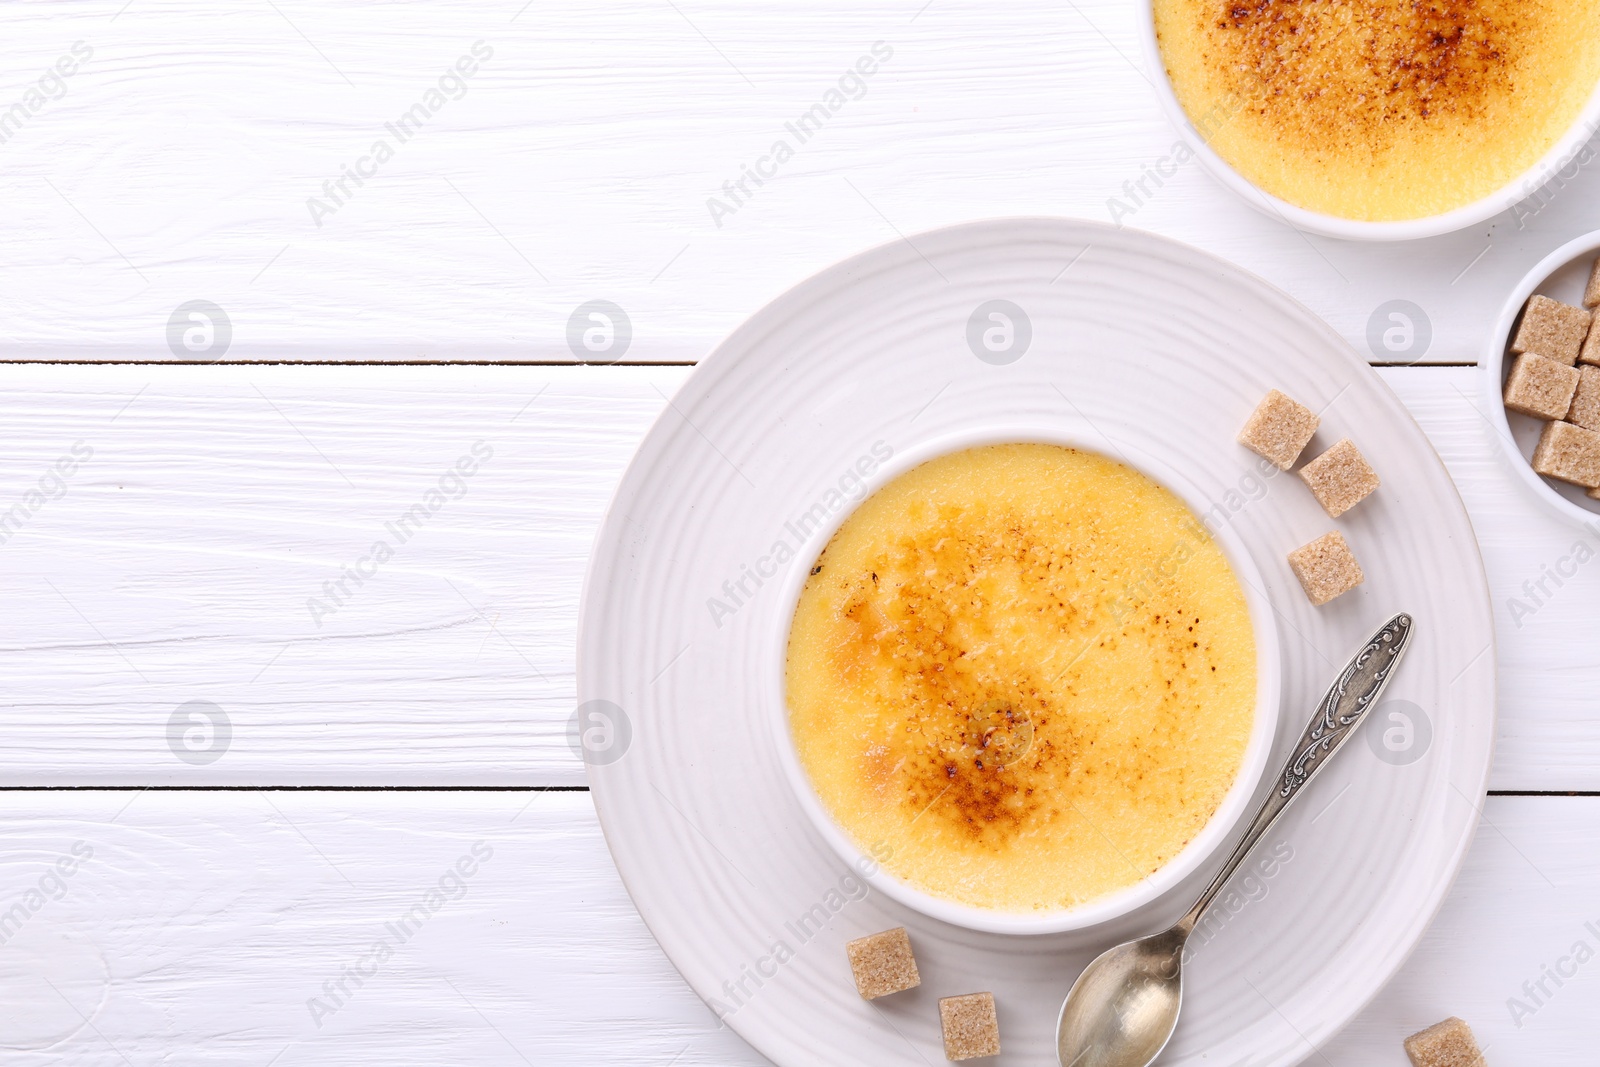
<point x="1381" y="109"/>
<point x="1022" y="675"/>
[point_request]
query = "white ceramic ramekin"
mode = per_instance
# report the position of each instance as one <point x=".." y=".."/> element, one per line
<point x="1518" y="189"/>
<point x="1103" y="909"/>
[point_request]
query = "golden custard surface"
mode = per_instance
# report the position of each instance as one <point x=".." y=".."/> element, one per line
<point x="1021" y="676"/>
<point x="1381" y="109"/>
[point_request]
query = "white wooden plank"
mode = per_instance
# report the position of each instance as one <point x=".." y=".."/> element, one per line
<point x="179" y="563"/>
<point x="191" y="557"/>
<point x="1549" y="678"/>
<point x="202" y="925"/>
<point x="578" y="162"/>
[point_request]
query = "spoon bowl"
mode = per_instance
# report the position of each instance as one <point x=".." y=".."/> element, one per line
<point x="1123" y="1008"/>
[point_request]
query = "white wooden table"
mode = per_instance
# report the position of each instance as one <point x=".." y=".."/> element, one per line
<point x="356" y="748"/>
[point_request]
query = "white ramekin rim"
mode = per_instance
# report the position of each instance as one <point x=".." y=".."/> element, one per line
<point x="1513" y="192"/>
<point x="1212" y="836"/>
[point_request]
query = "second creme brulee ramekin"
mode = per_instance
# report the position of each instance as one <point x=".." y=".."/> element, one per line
<point x="1518" y="189"/>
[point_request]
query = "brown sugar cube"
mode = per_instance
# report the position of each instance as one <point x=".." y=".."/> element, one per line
<point x="1326" y="568"/>
<point x="883" y="963"/>
<point x="1446" y="1044"/>
<point x="1590" y="352"/>
<point x="1279" y="429"/>
<point x="1551" y="329"/>
<point x="1585" y="409"/>
<point x="1591" y="292"/>
<point x="1540" y="387"/>
<point x="970" y="1028"/>
<point x="1340" y="478"/>
<point x="1569" y="453"/>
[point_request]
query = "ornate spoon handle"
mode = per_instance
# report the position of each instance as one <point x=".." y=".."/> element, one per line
<point x="1343" y="708"/>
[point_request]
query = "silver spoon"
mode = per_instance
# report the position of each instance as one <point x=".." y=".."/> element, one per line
<point x="1124" y="1006"/>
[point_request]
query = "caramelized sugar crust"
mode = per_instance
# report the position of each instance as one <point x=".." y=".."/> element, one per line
<point x="1023" y="676"/>
<point x="1380" y="109"/>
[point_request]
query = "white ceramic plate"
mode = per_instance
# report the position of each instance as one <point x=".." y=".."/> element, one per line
<point x="1132" y="340"/>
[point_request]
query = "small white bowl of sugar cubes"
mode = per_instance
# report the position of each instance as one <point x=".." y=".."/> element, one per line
<point x="1542" y="380"/>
